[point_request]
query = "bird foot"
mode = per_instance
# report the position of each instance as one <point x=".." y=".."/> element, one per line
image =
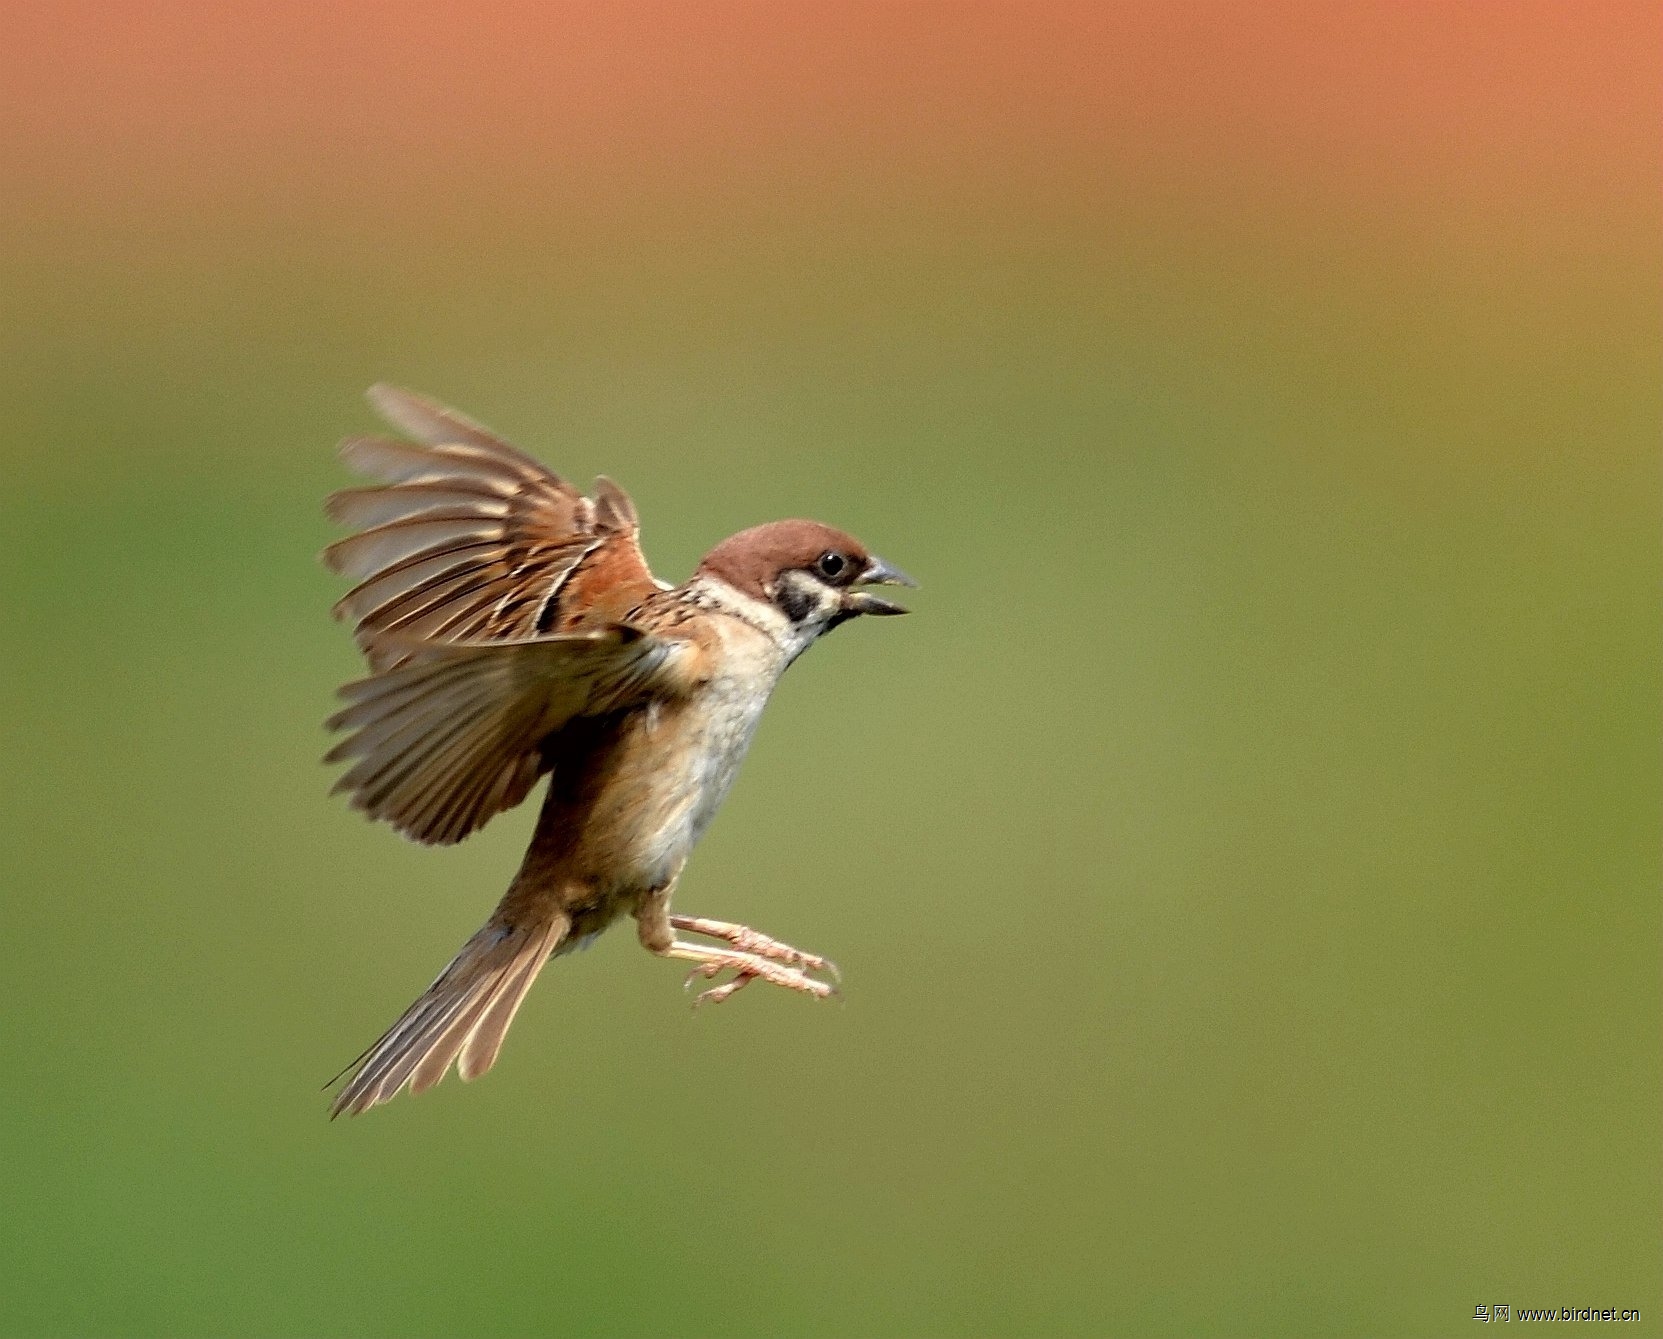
<point x="716" y="994"/>
<point x="753" y="956"/>
<point x="747" y="940"/>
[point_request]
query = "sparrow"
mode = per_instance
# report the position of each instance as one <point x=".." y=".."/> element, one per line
<point x="512" y="629"/>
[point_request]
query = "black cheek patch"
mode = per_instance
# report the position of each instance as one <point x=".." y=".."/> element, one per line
<point x="798" y="604"/>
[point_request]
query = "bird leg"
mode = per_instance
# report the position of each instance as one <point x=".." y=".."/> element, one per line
<point x="751" y="956"/>
<point x="716" y="994"/>
<point x="747" y="940"/>
<point x="746" y="966"/>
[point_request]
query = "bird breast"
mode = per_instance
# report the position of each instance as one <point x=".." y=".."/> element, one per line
<point x="659" y="780"/>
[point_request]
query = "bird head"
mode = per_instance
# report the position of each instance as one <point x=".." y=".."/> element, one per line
<point x="811" y="573"/>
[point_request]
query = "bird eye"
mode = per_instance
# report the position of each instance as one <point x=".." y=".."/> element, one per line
<point x="831" y="565"/>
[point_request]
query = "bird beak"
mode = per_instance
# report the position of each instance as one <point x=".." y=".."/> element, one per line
<point x="877" y="573"/>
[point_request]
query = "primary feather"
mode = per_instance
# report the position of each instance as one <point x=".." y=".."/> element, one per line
<point x="473" y="562"/>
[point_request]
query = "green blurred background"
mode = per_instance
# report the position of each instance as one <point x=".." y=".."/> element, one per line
<point x="1244" y="863"/>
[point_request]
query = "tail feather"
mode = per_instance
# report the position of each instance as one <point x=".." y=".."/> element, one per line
<point x="484" y="1040"/>
<point x="465" y="1013"/>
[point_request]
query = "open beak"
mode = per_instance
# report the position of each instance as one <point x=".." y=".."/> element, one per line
<point x="877" y="573"/>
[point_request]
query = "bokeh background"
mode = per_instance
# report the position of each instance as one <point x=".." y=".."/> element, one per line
<point x="1245" y="861"/>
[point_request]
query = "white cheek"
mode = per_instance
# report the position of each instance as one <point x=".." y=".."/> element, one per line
<point x="822" y="605"/>
<point x="788" y="638"/>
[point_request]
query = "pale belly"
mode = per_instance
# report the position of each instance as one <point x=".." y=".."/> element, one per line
<point x="671" y="767"/>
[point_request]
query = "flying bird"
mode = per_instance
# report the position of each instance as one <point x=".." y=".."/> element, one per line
<point x="512" y="629"/>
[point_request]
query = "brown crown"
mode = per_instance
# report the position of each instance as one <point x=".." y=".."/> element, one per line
<point x="752" y="560"/>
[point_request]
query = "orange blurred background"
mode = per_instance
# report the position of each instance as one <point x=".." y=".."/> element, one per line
<point x="1251" y="914"/>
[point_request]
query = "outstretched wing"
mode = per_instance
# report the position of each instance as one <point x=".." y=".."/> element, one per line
<point x="454" y="733"/>
<point x="470" y="539"/>
<point x="490" y="603"/>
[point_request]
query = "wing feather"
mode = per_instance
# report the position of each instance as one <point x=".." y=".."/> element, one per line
<point x="434" y="424"/>
<point x="366" y="507"/>
<point x="468" y="538"/>
<point x="492" y="603"/>
<point x="454" y="734"/>
<point x="397" y="462"/>
<point x="395" y="543"/>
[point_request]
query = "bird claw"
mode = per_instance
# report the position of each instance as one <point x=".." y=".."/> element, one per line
<point x="747" y="967"/>
<point x="753" y="941"/>
<point x="750" y="955"/>
<point x="716" y="994"/>
<point x="757" y="944"/>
